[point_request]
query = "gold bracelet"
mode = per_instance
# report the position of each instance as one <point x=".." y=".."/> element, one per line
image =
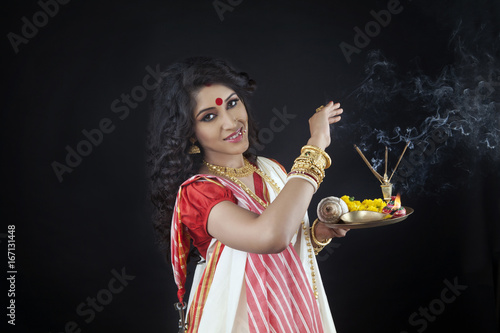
<point x="311" y="148"/>
<point x="314" y="157"/>
<point x="301" y="168"/>
<point x="311" y="165"/>
<point x="318" y="150"/>
<point x="306" y="165"/>
<point x="310" y="160"/>
<point x="315" y="240"/>
<point x="306" y="172"/>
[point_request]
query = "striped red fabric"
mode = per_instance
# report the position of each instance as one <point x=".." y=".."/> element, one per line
<point x="199" y="299"/>
<point x="179" y="246"/>
<point x="279" y="295"/>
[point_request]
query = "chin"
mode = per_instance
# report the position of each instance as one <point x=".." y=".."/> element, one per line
<point x="240" y="150"/>
<point x="246" y="146"/>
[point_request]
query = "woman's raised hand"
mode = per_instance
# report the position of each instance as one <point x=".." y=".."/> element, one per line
<point x="319" y="124"/>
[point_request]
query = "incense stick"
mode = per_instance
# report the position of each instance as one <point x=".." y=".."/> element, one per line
<point x="375" y="173"/>
<point x="400" y="157"/>
<point x="385" y="172"/>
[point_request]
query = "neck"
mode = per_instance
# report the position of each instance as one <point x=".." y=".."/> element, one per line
<point x="229" y="161"/>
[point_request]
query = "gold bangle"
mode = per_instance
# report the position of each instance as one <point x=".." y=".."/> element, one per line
<point x="307" y="165"/>
<point x="311" y="161"/>
<point x="320" y="151"/>
<point x="315" y="240"/>
<point x="313" y="157"/>
<point x="318" y="178"/>
<point x="316" y="153"/>
<point x="311" y="164"/>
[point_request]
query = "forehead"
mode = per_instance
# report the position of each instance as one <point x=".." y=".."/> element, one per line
<point x="207" y="96"/>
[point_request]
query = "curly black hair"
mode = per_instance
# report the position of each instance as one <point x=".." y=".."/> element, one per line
<point x="171" y="125"/>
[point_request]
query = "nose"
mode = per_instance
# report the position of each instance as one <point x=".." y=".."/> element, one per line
<point x="228" y="120"/>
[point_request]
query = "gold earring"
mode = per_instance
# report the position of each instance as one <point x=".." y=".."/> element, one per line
<point x="194" y="149"/>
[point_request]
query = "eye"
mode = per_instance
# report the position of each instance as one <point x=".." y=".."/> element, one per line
<point x="232" y="103"/>
<point x="208" y="117"/>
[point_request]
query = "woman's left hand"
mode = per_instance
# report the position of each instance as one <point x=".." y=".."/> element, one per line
<point x="319" y="124"/>
<point x="322" y="231"/>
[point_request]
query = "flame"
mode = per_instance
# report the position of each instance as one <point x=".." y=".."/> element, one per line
<point x="397" y="202"/>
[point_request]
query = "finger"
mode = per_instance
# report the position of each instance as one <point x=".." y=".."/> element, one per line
<point x="336" y="227"/>
<point x="332" y="106"/>
<point x="336" y="112"/>
<point x="340" y="232"/>
<point x="326" y="108"/>
<point x="334" y="115"/>
<point x="334" y="120"/>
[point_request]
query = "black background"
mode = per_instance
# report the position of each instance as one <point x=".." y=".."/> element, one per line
<point x="71" y="235"/>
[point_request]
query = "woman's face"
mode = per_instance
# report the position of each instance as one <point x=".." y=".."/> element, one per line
<point x="221" y="123"/>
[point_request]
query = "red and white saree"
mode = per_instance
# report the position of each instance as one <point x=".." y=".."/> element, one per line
<point x="235" y="291"/>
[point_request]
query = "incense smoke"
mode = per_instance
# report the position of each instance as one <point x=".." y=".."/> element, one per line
<point x="452" y="119"/>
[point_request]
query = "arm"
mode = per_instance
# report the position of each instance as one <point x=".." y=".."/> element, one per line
<point x="272" y="231"/>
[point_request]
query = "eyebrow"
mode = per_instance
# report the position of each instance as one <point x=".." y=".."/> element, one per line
<point x="210" y="108"/>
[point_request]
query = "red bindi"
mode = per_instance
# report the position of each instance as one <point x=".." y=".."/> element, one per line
<point x="218" y="101"/>
<point x="208" y="84"/>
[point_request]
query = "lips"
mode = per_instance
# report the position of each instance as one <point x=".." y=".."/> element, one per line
<point x="236" y="136"/>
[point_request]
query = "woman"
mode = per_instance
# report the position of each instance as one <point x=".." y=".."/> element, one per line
<point x="244" y="214"/>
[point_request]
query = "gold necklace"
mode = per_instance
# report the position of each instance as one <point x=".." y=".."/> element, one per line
<point x="244" y="171"/>
<point x="221" y="172"/>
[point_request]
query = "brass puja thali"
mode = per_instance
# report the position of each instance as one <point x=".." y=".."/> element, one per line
<point x="347" y="213"/>
<point x="366" y="219"/>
